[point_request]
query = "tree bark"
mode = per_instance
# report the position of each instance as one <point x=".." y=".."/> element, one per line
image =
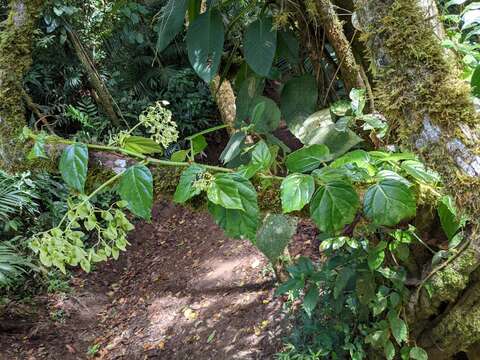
<point x="418" y="88"/>
<point x="104" y="99"/>
<point x="225" y="100"/>
<point x="16" y="40"/>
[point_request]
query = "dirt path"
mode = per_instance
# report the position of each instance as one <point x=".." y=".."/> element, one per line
<point x="182" y="291"/>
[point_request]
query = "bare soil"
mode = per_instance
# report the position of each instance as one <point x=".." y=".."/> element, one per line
<point x="182" y="291"/>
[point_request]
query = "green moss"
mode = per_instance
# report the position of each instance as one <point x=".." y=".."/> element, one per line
<point x="415" y="79"/>
<point x="16" y="39"/>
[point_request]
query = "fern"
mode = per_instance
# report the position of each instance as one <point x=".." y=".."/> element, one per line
<point x="12" y="266"/>
<point x="15" y="196"/>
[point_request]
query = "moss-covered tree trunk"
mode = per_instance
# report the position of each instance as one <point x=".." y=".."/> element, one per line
<point x="418" y="89"/>
<point x="16" y="39"/>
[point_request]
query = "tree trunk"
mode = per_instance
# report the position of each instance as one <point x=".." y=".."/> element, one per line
<point x="16" y="39"/>
<point x="225" y="100"/>
<point x="417" y="87"/>
<point x="104" y="99"/>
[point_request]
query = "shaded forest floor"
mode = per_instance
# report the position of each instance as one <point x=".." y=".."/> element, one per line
<point x="182" y="291"/>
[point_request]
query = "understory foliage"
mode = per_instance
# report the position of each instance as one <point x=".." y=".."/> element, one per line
<point x="363" y="194"/>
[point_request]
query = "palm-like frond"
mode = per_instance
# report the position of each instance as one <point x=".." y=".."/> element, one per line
<point x="14" y="198"/>
<point x="12" y="265"/>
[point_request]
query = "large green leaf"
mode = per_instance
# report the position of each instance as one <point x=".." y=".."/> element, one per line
<point x="171" y="22"/>
<point x="74" y="165"/>
<point x="319" y="128"/>
<point x="389" y="202"/>
<point x="233" y="148"/>
<point x="250" y="89"/>
<point x="288" y="47"/>
<point x="296" y="191"/>
<point x="417" y="353"/>
<point x="141" y="145"/>
<point x="185" y="190"/>
<point x="238" y="223"/>
<point x="342" y="280"/>
<point x="274" y="235"/>
<point x="223" y="191"/>
<point x="205" y="38"/>
<point x="449" y="218"/>
<point x="475" y="82"/>
<point x="265" y="115"/>
<point x="299" y="99"/>
<point x="398" y="327"/>
<point x="419" y="172"/>
<point x="307" y="158"/>
<point x="310" y="300"/>
<point x="333" y="206"/>
<point x="136" y="188"/>
<point x="260" y="45"/>
<point x="261" y="155"/>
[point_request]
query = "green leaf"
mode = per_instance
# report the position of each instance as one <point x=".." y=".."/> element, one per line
<point x="179" y="156"/>
<point x="185" y="190"/>
<point x="223" y="191"/>
<point x="475" y="82"/>
<point x="307" y="158"/>
<point x="205" y="38"/>
<point x="265" y="115"/>
<point x="250" y="90"/>
<point x="358" y="100"/>
<point x="299" y="99"/>
<point x="419" y="172"/>
<point x="74" y="165"/>
<point x="365" y="288"/>
<point x="327" y="174"/>
<point x="38" y="149"/>
<point x="342" y="280"/>
<point x="398" y="327"/>
<point x="448" y="216"/>
<point x="333" y="206"/>
<point x="418" y="353"/>
<point x="136" y="188"/>
<point x="171" y="22"/>
<point x="199" y="143"/>
<point x="389" y="350"/>
<point x="274" y="235"/>
<point x="238" y="223"/>
<point x="375" y="258"/>
<point x="233" y="148"/>
<point x="341" y="108"/>
<point x="261" y="155"/>
<point x="389" y="202"/>
<point x="260" y="45"/>
<point x="319" y="128"/>
<point x="357" y="157"/>
<point x="141" y="145"/>
<point x="310" y="300"/>
<point x="296" y="192"/>
<point x="392" y="175"/>
<point x="288" y="47"/>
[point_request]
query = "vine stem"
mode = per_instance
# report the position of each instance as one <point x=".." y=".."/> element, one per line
<point x="146" y="159"/>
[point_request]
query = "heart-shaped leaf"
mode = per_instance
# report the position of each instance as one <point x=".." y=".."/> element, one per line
<point x="274" y="235"/>
<point x="260" y="45"/>
<point x="205" y="38"/>
<point x="296" y="192"/>
<point x="333" y="206"/>
<point x="307" y="158"/>
<point x="171" y="22"/>
<point x="389" y="202"/>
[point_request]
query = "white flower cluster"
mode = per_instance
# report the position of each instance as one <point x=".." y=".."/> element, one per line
<point x="158" y="121"/>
